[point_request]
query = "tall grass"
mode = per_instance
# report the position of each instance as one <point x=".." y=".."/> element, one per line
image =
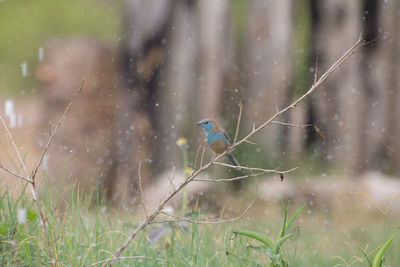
<point x="82" y="233"/>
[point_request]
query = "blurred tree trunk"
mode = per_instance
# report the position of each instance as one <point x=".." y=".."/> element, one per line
<point x="339" y="105"/>
<point x="270" y="55"/>
<point x="144" y="28"/>
<point x="177" y="98"/>
<point x="193" y="72"/>
<point x="384" y="76"/>
<point x="214" y="33"/>
<point x="175" y="65"/>
<point x="375" y="73"/>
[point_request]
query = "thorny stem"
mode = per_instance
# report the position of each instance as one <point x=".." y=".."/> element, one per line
<point x="149" y="219"/>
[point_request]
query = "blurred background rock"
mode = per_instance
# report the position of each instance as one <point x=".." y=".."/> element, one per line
<point x="153" y="68"/>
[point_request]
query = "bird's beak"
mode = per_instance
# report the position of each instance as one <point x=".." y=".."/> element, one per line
<point x="199" y="123"/>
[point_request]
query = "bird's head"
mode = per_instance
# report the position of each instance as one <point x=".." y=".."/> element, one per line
<point x="208" y="125"/>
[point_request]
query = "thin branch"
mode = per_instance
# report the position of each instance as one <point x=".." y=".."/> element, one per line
<point x="316" y="71"/>
<point x="180" y="218"/>
<point x="238" y="121"/>
<point x="251" y="143"/>
<point x="251" y="175"/>
<point x="148" y="220"/>
<point x="291" y="124"/>
<point x="255" y="169"/>
<point x="197" y="154"/>
<point x="126" y="257"/>
<point x="14" y="174"/>
<point x="171" y="179"/>
<point x="141" y="189"/>
<point x="35" y="169"/>
<point x="202" y="154"/>
<point x="357" y="45"/>
<point x="14" y="145"/>
<point x="31" y="179"/>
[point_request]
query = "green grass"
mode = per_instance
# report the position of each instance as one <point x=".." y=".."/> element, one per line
<point x="82" y="232"/>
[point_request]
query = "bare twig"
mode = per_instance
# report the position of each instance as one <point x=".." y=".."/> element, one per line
<point x="196" y="159"/>
<point x="250" y="175"/>
<point x="238" y="121"/>
<point x="149" y="219"/>
<point x="14" y="145"/>
<point x="356" y="46"/>
<point x="171" y="180"/>
<point x="254" y="169"/>
<point x="244" y="176"/>
<point x="250" y="142"/>
<point x="180" y="218"/>
<point x="126" y="257"/>
<point x="291" y="124"/>
<point x="316" y="71"/>
<point x="31" y="179"/>
<point x="202" y="154"/>
<point x="35" y="169"/>
<point x="14" y="174"/>
<point x="141" y="189"/>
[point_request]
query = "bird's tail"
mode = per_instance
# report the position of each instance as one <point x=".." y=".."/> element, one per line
<point x="232" y="159"/>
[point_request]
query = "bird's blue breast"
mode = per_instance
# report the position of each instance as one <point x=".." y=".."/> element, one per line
<point x="214" y="137"/>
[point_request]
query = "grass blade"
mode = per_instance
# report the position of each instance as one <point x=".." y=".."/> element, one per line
<point x="366" y="257"/>
<point x="257" y="236"/>
<point x="379" y="256"/>
<point x="289" y="222"/>
<point x="282" y="240"/>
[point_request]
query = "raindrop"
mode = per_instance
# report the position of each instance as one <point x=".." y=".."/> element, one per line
<point x="41" y="53"/>
<point x="24" y="69"/>
<point x="9" y="111"/>
<point x="21" y="216"/>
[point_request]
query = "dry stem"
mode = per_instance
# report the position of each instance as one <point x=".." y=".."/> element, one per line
<point x="126" y="257"/>
<point x="238" y="121"/>
<point x="180" y="218"/>
<point x="141" y="189"/>
<point x="149" y="219"/>
<point x="31" y="179"/>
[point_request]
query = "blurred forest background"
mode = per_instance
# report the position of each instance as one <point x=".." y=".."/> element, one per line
<point x="154" y="68"/>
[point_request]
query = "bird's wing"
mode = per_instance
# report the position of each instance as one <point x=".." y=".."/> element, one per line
<point x="228" y="140"/>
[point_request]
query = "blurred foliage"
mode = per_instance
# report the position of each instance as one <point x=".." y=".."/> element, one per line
<point x="27" y="25"/>
<point x="302" y="46"/>
<point x="239" y="14"/>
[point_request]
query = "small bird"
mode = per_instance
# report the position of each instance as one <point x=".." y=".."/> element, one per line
<point x="217" y="139"/>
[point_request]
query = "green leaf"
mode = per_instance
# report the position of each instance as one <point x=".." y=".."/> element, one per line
<point x="282" y="232"/>
<point x="3" y="228"/>
<point x="282" y="240"/>
<point x="297" y="212"/>
<point x="31" y="214"/>
<point x="379" y="256"/>
<point x="257" y="236"/>
<point x="366" y="257"/>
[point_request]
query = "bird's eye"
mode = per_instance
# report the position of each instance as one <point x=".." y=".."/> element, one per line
<point x="206" y="122"/>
